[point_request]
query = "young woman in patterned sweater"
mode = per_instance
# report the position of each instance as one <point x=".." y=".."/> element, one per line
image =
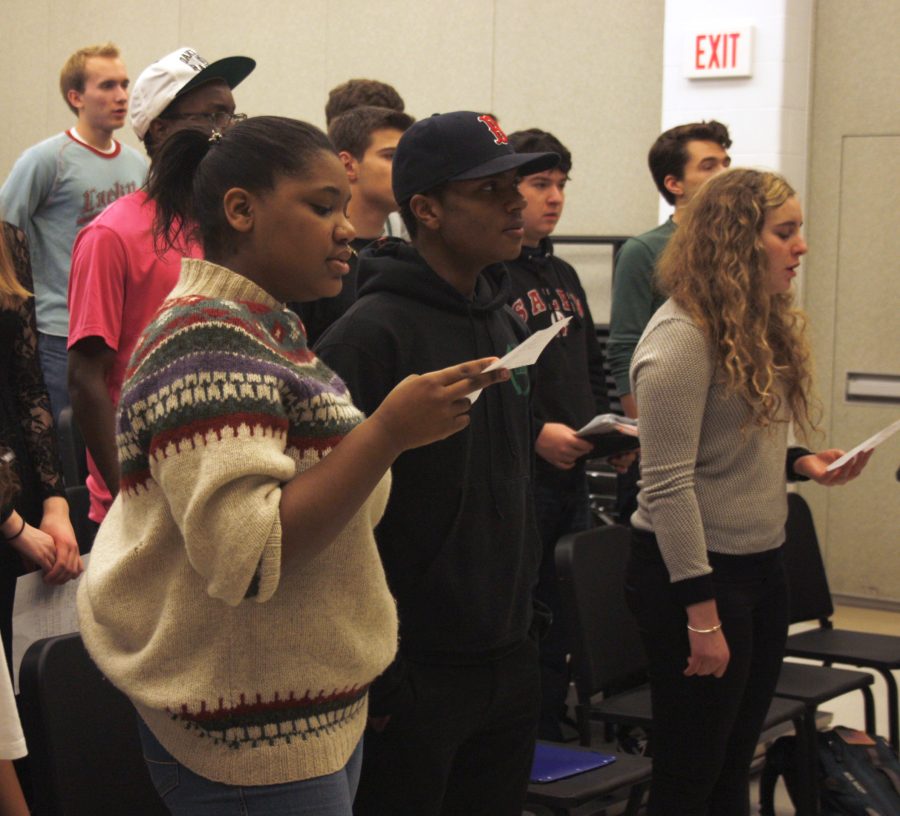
<point x="235" y="592"/>
<point x="719" y="373"/>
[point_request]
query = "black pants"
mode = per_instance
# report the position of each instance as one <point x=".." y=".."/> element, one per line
<point x="464" y="745"/>
<point x="627" y="492"/>
<point x="562" y="507"/>
<point x="705" y="730"/>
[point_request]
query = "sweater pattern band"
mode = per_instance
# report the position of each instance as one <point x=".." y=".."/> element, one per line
<point x="225" y="377"/>
<point x="279" y="719"/>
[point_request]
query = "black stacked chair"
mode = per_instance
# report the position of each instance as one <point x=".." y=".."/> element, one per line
<point x="73" y="455"/>
<point x="609" y="665"/>
<point x="71" y="449"/>
<point x="84" y="752"/>
<point x="811" y="601"/>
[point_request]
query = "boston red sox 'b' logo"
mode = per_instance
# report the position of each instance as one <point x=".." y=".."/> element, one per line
<point x="494" y="128"/>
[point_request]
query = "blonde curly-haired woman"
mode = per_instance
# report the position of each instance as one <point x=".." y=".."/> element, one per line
<point x="720" y="372"/>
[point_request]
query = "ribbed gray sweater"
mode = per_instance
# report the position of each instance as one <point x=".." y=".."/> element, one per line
<point x="710" y="481"/>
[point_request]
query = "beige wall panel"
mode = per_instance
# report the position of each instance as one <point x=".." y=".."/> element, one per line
<point x="25" y="63"/>
<point x="595" y="268"/>
<point x="864" y="518"/>
<point x="439" y="56"/>
<point x="288" y="39"/>
<point x="591" y="72"/>
<point x="856" y="91"/>
<point x="588" y="70"/>
<point x="46" y="33"/>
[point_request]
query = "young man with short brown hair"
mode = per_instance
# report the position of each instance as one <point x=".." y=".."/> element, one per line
<point x="366" y="140"/>
<point x="681" y="160"/>
<point x="61" y="184"/>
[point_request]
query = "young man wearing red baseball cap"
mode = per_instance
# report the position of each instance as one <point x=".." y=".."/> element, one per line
<point x="453" y="720"/>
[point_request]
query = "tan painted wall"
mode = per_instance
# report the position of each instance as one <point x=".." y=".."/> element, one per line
<point x="589" y="70"/>
<point x="852" y="285"/>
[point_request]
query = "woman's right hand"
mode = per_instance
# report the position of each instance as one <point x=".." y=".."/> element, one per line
<point x="425" y="408"/>
<point x="709" y="650"/>
<point x="709" y="654"/>
<point x="36" y="546"/>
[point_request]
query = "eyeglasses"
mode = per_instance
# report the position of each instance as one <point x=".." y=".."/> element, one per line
<point x="218" y="120"/>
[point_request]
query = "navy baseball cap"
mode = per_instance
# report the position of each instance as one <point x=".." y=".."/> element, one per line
<point x="454" y="147"/>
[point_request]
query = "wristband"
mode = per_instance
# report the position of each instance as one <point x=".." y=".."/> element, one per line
<point x="709" y="631"/>
<point x="14" y="537"/>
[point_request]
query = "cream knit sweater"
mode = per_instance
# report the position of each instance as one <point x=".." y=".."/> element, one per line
<point x="248" y="669"/>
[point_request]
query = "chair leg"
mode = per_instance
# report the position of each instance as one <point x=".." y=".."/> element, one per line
<point x="807" y="764"/>
<point x="583" y="719"/>
<point x="635" y="798"/>
<point x="893" y="713"/>
<point x="869" y="706"/>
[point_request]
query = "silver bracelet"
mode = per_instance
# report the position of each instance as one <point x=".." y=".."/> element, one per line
<point x="704" y="631"/>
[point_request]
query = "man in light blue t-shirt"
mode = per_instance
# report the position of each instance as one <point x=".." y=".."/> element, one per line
<point x="62" y="183"/>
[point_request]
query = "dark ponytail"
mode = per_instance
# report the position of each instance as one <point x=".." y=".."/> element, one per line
<point x="171" y="186"/>
<point x="192" y="172"/>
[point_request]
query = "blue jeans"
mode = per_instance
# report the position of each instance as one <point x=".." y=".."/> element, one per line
<point x="188" y="794"/>
<point x="55" y="366"/>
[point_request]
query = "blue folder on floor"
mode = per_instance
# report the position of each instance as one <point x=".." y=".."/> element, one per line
<point x="553" y="762"/>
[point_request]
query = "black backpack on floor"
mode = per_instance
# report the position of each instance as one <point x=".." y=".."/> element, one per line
<point x="858" y="775"/>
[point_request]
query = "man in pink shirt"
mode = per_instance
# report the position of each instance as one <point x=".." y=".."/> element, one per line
<point x="117" y="279"/>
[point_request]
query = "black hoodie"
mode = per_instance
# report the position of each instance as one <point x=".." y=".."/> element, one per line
<point x="318" y="315"/>
<point x="569" y="381"/>
<point x="458" y="539"/>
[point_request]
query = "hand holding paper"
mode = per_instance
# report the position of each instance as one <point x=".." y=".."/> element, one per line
<point x="526" y="353"/>
<point x="869" y="444"/>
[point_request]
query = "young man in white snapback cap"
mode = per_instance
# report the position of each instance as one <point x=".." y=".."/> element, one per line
<point x="117" y="279"/>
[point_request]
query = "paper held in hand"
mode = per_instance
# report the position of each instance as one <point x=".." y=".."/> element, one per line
<point x="872" y="442"/>
<point x="526" y="353"/>
<point x="41" y="611"/>
<point x="609" y="423"/>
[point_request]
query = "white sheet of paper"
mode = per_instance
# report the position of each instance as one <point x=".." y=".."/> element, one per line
<point x="41" y="611"/>
<point x="607" y="423"/>
<point x="872" y="442"/>
<point x="526" y="353"/>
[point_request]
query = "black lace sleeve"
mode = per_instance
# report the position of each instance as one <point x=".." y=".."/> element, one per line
<point x="30" y="391"/>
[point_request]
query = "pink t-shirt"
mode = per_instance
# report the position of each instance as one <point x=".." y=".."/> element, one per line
<point x="117" y="283"/>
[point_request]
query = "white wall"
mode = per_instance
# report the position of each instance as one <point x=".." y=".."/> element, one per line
<point x="767" y="113"/>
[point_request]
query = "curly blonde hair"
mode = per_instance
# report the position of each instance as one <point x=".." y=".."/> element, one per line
<point x="715" y="267"/>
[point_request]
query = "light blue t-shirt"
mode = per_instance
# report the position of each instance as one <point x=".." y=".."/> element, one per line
<point x="53" y="190"/>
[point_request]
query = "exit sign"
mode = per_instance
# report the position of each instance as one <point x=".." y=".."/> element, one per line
<point x="715" y="51"/>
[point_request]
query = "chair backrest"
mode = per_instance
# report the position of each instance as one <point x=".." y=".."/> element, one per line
<point x="79" y="499"/>
<point x="85" y="754"/>
<point x="607" y="652"/>
<point x="72" y="450"/>
<point x="810" y="596"/>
